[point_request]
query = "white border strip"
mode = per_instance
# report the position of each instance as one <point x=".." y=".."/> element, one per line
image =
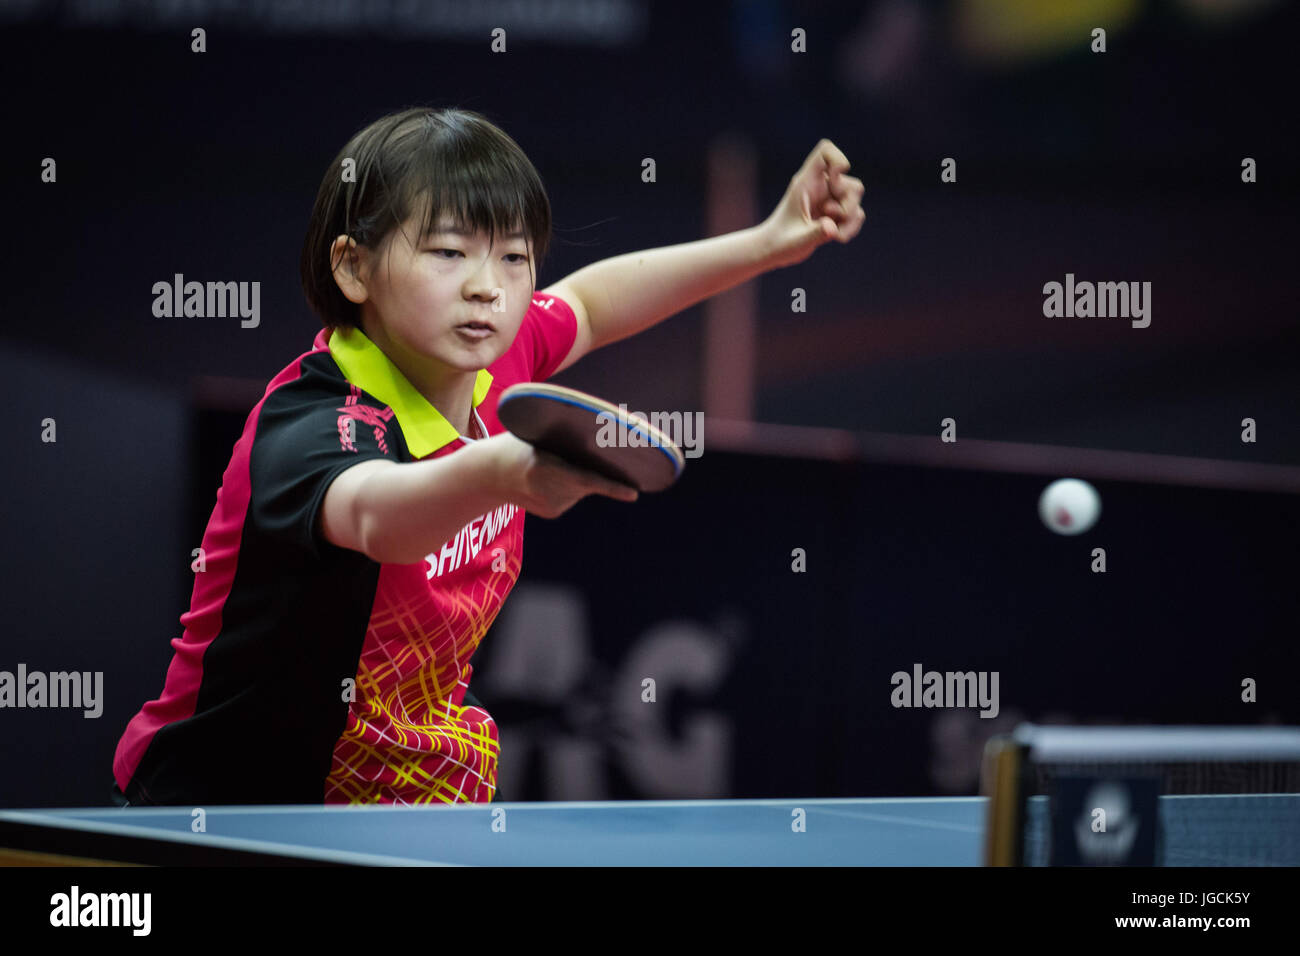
<point x="1160" y="744"/>
<point x="79" y="812"/>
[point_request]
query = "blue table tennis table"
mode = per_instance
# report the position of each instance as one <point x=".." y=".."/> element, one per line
<point x="839" y="832"/>
<point x="642" y="833"/>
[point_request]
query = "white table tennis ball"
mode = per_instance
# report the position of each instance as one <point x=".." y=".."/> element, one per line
<point x="1069" y="506"/>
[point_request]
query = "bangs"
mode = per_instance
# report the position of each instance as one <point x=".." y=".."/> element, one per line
<point x="440" y="204"/>
<point x="468" y="184"/>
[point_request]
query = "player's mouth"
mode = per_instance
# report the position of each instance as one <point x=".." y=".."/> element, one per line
<point x="476" y="330"/>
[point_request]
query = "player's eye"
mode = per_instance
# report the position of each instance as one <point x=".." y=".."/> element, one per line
<point x="519" y="257"/>
<point x="452" y="251"/>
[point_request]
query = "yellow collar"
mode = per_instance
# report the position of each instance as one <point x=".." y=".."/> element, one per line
<point x="368" y="368"/>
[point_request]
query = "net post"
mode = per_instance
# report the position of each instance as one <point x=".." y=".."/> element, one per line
<point x="1000" y="781"/>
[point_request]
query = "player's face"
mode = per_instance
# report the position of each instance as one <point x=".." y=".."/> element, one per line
<point x="424" y="295"/>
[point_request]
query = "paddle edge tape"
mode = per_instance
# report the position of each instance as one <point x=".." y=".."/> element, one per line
<point x="598" y="406"/>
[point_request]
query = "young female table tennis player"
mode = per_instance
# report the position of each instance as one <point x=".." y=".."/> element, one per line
<point x="370" y="522"/>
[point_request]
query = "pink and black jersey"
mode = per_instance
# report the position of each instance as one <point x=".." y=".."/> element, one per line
<point x="308" y="673"/>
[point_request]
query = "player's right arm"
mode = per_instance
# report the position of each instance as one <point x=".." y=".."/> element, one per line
<point x="397" y="513"/>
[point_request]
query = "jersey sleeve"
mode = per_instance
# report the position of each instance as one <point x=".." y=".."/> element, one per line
<point x="553" y="328"/>
<point x="297" y="453"/>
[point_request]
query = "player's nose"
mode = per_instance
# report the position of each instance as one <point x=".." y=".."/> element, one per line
<point x="485" y="283"/>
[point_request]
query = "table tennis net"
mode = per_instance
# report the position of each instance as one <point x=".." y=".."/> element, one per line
<point x="1227" y="796"/>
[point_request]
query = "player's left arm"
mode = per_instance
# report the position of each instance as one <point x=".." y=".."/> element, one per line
<point x="619" y="297"/>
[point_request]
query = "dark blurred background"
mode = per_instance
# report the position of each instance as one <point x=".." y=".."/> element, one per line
<point x="1117" y="166"/>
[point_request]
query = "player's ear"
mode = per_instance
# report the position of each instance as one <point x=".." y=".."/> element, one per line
<point x="348" y="262"/>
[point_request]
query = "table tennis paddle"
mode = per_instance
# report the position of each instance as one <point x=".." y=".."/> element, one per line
<point x="591" y="433"/>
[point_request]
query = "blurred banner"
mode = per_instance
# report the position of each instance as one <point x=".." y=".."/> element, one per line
<point x="571" y="22"/>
